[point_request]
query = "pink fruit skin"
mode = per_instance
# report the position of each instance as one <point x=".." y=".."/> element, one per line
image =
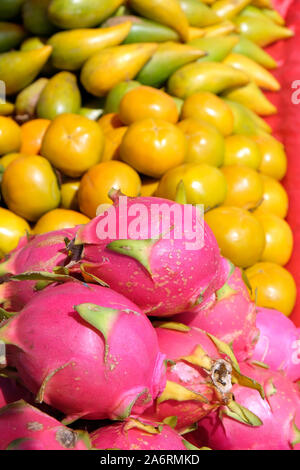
<point x="11" y="391"/>
<point x="40" y="253"/>
<point x="180" y="277"/>
<point x="279" y="412"/>
<point x="24" y="427"/>
<point x="116" y="436"/>
<point x="94" y="382"/>
<point x="231" y="316"/>
<point x="279" y="342"/>
<point x="175" y="345"/>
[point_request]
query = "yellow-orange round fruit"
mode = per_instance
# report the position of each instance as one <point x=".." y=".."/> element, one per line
<point x="29" y="187"/>
<point x="153" y="146"/>
<point x="244" y="186"/>
<point x="275" y="199"/>
<point x="278" y="238"/>
<point x="99" y="180"/>
<point x="205" y="144"/>
<point x="210" y="108"/>
<point x="272" y="287"/>
<point x="73" y="144"/>
<point x="32" y="134"/>
<point x="113" y="140"/>
<point x="149" y="187"/>
<point x="239" y="234"/>
<point x="146" y="102"/>
<point x="69" y="194"/>
<point x="12" y="228"/>
<point x="109" y="122"/>
<point x="59" y="219"/>
<point x="274" y="160"/>
<point x="10" y="136"/>
<point x="10" y="157"/>
<point x="242" y="150"/>
<point x="203" y="184"/>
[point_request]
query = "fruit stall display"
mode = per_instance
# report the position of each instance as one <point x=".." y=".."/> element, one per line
<point x="147" y="343"/>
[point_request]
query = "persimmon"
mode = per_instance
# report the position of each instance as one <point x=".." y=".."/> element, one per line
<point x="58" y="219"/>
<point x="99" y="180"/>
<point x="146" y="102"/>
<point x="153" y="146"/>
<point x="32" y="134"/>
<point x="73" y="144"/>
<point x="10" y="136"/>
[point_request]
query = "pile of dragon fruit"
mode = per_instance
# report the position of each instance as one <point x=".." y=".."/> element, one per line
<point x="115" y="343"/>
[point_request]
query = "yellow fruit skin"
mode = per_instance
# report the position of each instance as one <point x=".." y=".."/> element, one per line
<point x="72" y="48"/>
<point x="73" y="144"/>
<point x="167" y="12"/>
<point x="274" y="159"/>
<point x="239" y="234"/>
<point x="69" y="194"/>
<point x="205" y="144"/>
<point x="272" y="287"/>
<point x="10" y="136"/>
<point x="253" y="98"/>
<point x="113" y="140"/>
<point x="256" y="72"/>
<point x="210" y="108"/>
<point x="30" y="187"/>
<point x="204" y="184"/>
<point x="275" y="198"/>
<point x="205" y="76"/>
<point x="241" y="150"/>
<point x="59" y="219"/>
<point x="19" y="68"/>
<point x="10" y="157"/>
<point x="147" y="102"/>
<point x="149" y="187"/>
<point x="99" y="180"/>
<point x="228" y="9"/>
<point x="12" y="228"/>
<point x="148" y="146"/>
<point x="278" y="236"/>
<point x="123" y="62"/>
<point x="245" y="186"/>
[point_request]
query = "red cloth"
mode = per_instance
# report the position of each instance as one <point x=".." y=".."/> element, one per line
<point x="286" y="125"/>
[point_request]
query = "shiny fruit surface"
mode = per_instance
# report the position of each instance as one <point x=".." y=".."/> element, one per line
<point x="239" y="234"/>
<point x="99" y="180"/>
<point x="272" y="287"/>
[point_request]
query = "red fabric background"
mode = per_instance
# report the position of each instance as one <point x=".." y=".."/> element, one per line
<point x="286" y="125"/>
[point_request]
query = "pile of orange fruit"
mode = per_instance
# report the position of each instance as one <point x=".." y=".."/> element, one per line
<point x="198" y="129"/>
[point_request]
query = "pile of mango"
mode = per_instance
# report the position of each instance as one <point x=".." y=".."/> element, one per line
<point x="151" y="97"/>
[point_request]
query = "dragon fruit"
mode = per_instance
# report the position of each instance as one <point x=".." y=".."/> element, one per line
<point x="153" y="259"/>
<point x="200" y="374"/>
<point x="230" y="315"/>
<point x="279" y="342"/>
<point x="86" y="351"/>
<point x="24" y="427"/>
<point x="279" y="414"/>
<point x="11" y="390"/>
<point x="40" y="253"/>
<point x="138" y="434"/>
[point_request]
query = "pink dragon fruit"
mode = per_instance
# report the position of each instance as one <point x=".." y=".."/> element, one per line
<point x="40" y="253"/>
<point x="230" y="315"/>
<point x="24" y="427"/>
<point x="138" y="434"/>
<point x="87" y="351"/>
<point x="279" y="342"/>
<point x="157" y="260"/>
<point x="279" y="415"/>
<point x="11" y="390"/>
<point x="199" y="376"/>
